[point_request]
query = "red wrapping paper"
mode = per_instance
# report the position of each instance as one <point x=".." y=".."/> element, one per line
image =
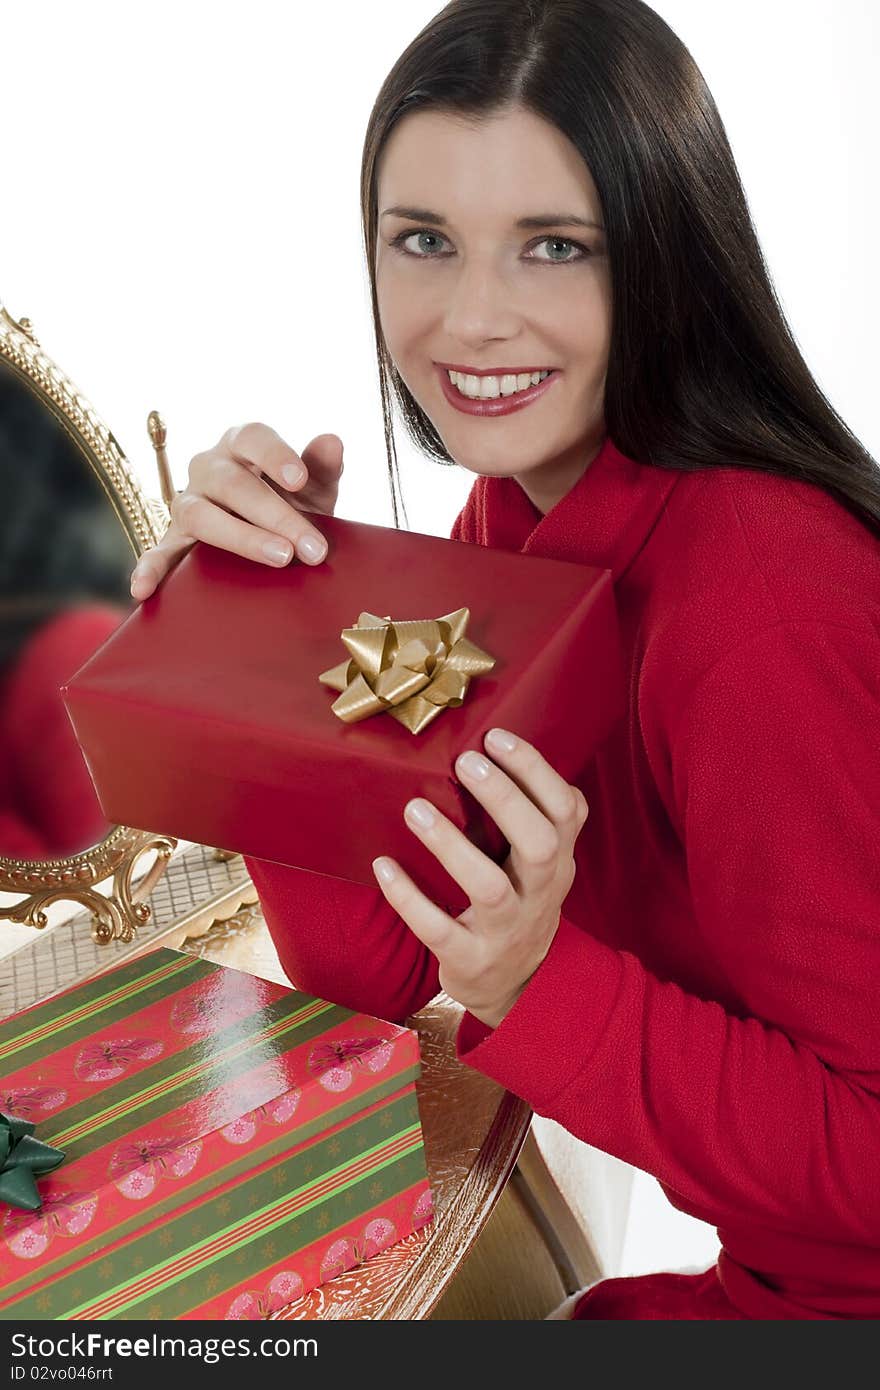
<point x="202" y="716"/>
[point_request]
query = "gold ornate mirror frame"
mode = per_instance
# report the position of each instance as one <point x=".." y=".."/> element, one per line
<point x="118" y="913"/>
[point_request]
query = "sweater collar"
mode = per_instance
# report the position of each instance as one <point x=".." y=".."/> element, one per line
<point x="603" y="520"/>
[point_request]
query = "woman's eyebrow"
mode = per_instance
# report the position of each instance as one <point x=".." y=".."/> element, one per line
<point x="535" y="223"/>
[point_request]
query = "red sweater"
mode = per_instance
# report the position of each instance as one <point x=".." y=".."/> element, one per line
<point x="708" y="1009"/>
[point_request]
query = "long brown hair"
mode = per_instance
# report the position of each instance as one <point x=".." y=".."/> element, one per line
<point x="703" y="368"/>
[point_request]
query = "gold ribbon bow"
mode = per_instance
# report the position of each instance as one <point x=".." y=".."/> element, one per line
<point x="410" y="670"/>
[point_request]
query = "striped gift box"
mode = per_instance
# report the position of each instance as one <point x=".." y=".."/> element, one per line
<point x="229" y="1144"/>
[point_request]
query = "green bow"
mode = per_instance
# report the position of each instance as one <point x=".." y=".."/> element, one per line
<point x="21" y="1158"/>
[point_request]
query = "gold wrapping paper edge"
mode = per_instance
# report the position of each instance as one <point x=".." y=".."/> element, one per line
<point x="410" y="670"/>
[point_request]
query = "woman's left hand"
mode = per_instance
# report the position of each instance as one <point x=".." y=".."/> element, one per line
<point x="489" y="953"/>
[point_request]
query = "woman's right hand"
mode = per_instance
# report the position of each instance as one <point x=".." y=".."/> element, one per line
<point x="249" y="494"/>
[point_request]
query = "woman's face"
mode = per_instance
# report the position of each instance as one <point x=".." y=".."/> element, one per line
<point x="462" y="284"/>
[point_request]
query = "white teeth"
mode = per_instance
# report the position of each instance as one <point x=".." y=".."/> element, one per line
<point x="484" y="388"/>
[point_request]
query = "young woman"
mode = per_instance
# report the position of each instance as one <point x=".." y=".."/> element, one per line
<point x="687" y="980"/>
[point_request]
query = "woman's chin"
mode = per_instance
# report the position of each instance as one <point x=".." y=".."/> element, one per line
<point x="491" y="467"/>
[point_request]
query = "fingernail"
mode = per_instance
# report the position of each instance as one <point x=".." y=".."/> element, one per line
<point x="293" y="474"/>
<point x="279" y="552"/>
<point x="474" y="765"/>
<point x="311" y="549"/>
<point x="421" y="813"/>
<point x="501" y="739"/>
<point x="384" y="870"/>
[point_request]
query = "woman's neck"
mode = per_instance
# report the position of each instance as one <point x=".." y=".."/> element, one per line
<point x="550" y="482"/>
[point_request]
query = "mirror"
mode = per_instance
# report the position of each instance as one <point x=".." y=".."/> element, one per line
<point x="73" y="519"/>
<point x="64" y="565"/>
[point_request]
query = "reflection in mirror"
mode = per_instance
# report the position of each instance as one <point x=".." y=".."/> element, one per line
<point x="65" y="562"/>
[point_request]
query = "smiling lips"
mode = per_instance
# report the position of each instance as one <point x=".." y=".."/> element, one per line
<point x="499" y="404"/>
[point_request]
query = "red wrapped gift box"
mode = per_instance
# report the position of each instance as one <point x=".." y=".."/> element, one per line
<point x="203" y="716"/>
<point x="229" y="1144"/>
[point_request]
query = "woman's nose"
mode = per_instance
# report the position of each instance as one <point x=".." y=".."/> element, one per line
<point x="480" y="304"/>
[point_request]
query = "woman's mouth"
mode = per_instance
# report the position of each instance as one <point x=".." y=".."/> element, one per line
<point x="505" y="392"/>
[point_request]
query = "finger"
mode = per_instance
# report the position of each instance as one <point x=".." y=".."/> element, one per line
<point x="323" y="459"/>
<point x="154" y="564"/>
<point x="242" y="514"/>
<point x="537" y="843"/>
<point x="564" y="805"/>
<point x="434" y="927"/>
<point x="262" y="450"/>
<point x="486" y="884"/>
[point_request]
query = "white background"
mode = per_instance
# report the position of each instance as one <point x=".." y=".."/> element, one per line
<point x="180" y="220"/>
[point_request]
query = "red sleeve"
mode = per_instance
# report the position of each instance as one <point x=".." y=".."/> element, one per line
<point x="768" y="1111"/>
<point x="341" y="941"/>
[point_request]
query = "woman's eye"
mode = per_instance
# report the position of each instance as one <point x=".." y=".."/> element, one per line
<point x="401" y="240"/>
<point x="428" y="243"/>
<point x="557" y="241"/>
